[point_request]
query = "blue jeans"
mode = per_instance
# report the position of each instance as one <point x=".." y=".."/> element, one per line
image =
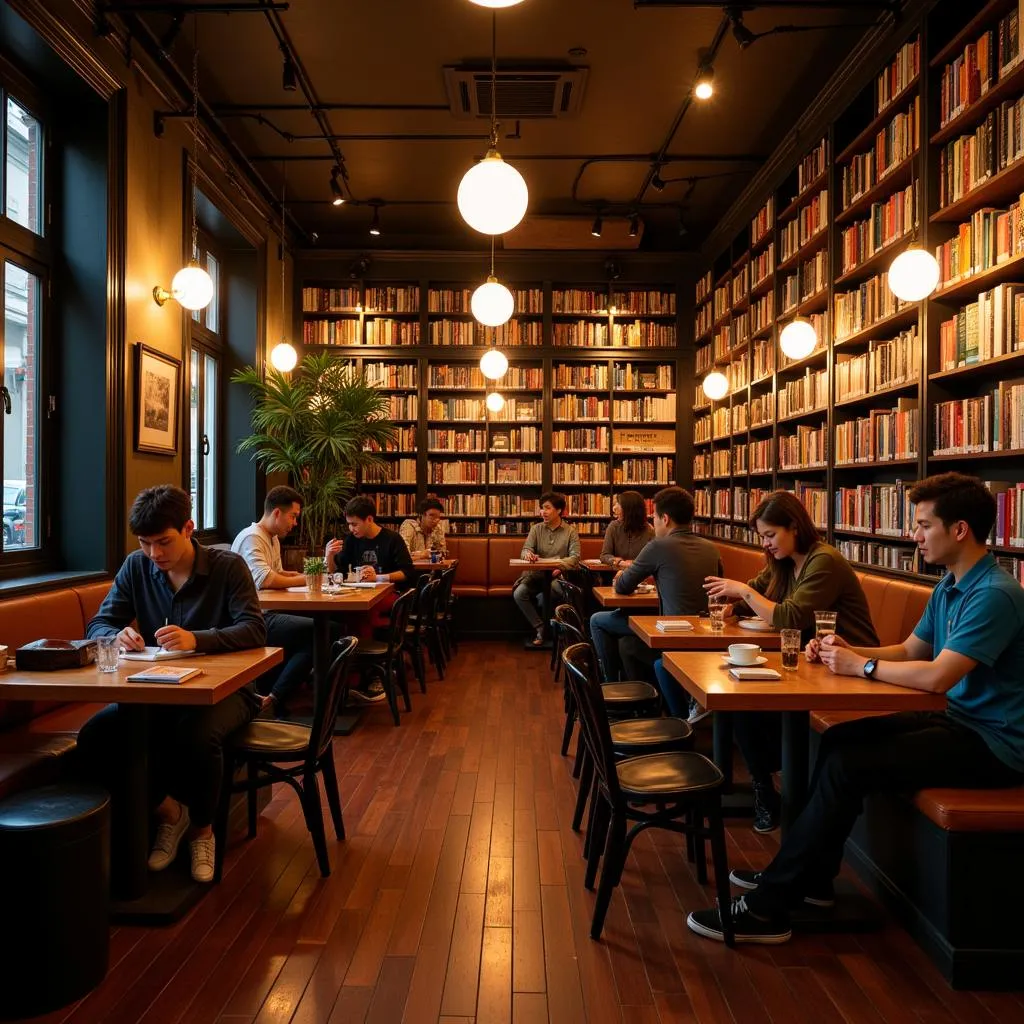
<point x="677" y="700"/>
<point x="293" y="633"/>
<point x="606" y="629"/>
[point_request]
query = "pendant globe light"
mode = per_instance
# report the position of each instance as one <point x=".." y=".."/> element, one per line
<point x="913" y="275"/>
<point x="496" y="3"/>
<point x="283" y="357"/>
<point x="191" y="287"/>
<point x="492" y="303"/>
<point x="798" y="339"/>
<point x="495" y="401"/>
<point x="493" y="196"/>
<point x="493" y="364"/>
<point x="715" y="385"/>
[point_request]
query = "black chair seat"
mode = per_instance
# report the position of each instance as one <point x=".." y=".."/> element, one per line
<point x="628" y="692"/>
<point x="662" y="776"/>
<point x="635" y="736"/>
<point x="371" y="649"/>
<point x="270" y="738"/>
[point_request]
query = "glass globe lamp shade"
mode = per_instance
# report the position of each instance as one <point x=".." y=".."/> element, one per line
<point x="798" y="339"/>
<point x="283" y="357"/>
<point x="495" y="401"/>
<point x="715" y="385"/>
<point x="913" y="275"/>
<point x="192" y="287"/>
<point x="496" y="3"/>
<point x="704" y="90"/>
<point x="492" y="196"/>
<point x="493" y="364"/>
<point x="492" y="303"/>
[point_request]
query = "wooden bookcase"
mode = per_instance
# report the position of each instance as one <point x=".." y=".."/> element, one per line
<point x="592" y="367"/>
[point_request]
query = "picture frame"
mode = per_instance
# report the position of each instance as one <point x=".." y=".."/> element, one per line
<point x="157" y="401"/>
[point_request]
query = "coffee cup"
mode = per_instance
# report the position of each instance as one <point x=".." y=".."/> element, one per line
<point x="744" y="654"/>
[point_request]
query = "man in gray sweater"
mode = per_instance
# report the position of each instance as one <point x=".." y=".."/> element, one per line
<point x="678" y="560"/>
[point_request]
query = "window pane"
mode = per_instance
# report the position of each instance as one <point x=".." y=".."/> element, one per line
<point x="212" y="311"/>
<point x="210" y="444"/>
<point x="21" y="524"/>
<point x="24" y="200"/>
<point x="196" y="442"/>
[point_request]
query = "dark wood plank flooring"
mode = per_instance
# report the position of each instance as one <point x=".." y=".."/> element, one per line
<point x="458" y="898"/>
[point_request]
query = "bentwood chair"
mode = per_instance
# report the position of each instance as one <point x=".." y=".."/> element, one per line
<point x="387" y="656"/>
<point x="683" y="787"/>
<point x="274" y="751"/>
<point x="422" y="633"/>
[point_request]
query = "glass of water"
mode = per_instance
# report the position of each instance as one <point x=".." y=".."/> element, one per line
<point x="716" y="612"/>
<point x="790" y="648"/>
<point x="824" y="624"/>
<point x="108" y="648"/>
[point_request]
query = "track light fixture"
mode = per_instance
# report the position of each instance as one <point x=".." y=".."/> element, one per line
<point x="375" y="223"/>
<point x="339" y="195"/>
<point x="658" y="182"/>
<point x="634" y="225"/>
<point x="703" y="87"/>
<point x="740" y="32"/>
<point x="289" y="80"/>
<point x="598" y="226"/>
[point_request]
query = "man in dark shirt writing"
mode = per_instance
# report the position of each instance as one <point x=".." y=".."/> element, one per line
<point x="182" y="597"/>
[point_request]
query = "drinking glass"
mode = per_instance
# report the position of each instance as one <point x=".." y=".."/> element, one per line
<point x="790" y="648"/>
<point x="824" y="624"/>
<point x="716" y="612"/>
<point x="107" y="650"/>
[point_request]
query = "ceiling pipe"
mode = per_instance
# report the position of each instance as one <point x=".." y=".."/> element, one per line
<point x="775" y="5"/>
<point x="233" y="109"/>
<point x="624" y="158"/>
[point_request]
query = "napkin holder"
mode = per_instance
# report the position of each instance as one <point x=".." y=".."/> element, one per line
<point x="53" y="655"/>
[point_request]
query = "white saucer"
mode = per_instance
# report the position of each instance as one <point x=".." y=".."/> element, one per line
<point x="760" y="660"/>
<point x="755" y="625"/>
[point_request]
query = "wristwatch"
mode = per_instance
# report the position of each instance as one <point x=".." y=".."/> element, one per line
<point x="869" y="668"/>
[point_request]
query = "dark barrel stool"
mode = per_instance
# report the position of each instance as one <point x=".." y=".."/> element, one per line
<point x="55" y="863"/>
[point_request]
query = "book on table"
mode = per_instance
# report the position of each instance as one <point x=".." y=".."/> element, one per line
<point x="754" y="674"/>
<point x="673" y="625"/>
<point x="165" y="674"/>
<point x="155" y="654"/>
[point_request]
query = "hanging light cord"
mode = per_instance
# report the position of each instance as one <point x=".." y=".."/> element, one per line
<point x="194" y="254"/>
<point x="494" y="80"/>
<point x="492" y="255"/>
<point x="284" y="185"/>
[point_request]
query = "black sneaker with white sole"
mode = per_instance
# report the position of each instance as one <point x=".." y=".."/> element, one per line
<point x="824" y="897"/>
<point x="372" y="693"/>
<point x="767" y="807"/>
<point x="747" y="927"/>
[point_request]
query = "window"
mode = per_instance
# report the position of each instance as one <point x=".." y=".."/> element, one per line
<point x="25" y="400"/>
<point x="206" y="353"/>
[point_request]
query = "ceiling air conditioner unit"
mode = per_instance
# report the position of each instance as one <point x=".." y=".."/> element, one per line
<point x="520" y="93"/>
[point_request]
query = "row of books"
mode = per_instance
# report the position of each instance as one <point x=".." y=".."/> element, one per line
<point x="881" y="435"/>
<point x="640" y="334"/>
<point x="721" y="503"/>
<point x="992" y="326"/>
<point x="886" y="223"/>
<point x="659" y="470"/>
<point x="760" y="226"/>
<point x="456" y="440"/>
<point x="810" y="221"/>
<point x="760" y="457"/>
<point x="885" y="364"/>
<point x="703" y="287"/>
<point x="589" y="376"/>
<point x="644" y="376"/>
<point x="903" y="69"/>
<point x="740" y="283"/>
<point x="804" y="394"/>
<point x="762" y="313"/>
<point x="703" y="359"/>
<point x="403" y="407"/>
<point x="649" y="302"/>
<point x="581" y="473"/>
<point x="497" y="471"/>
<point x="739" y="460"/>
<point x="989" y="238"/>
<point x="581" y="407"/>
<point x="393" y="298"/>
<point x="761" y="410"/>
<point x="721" y="303"/>
<point x="884" y="509"/>
<point x="811" y="279"/>
<point x="805" y="449"/>
<point x="332" y="300"/>
<point x="895" y="143"/>
<point x="584" y="439"/>
<point x="1008" y="531"/>
<point x="331" y="332"/>
<point x="762" y="265"/>
<point x="702" y="429"/>
<point x="473" y="409"/>
<point x="396" y="471"/>
<point x="390" y="375"/>
<point x="991" y="422"/>
<point x="739" y="418"/>
<point x="721" y="462"/>
<point x="404" y="439"/>
<point x="738" y="373"/>
<point x="812" y="166"/>
<point x="702" y="321"/>
<point x="970" y="160"/>
<point x="391" y="504"/>
<point x="384" y="331"/>
<point x="721" y="422"/>
<point x="516" y="439"/>
<point x="869" y="302"/>
<point x="702" y="465"/>
<point x="884" y="556"/>
<point x="815" y="499"/>
<point x="764" y="357"/>
<point x="722" y="342"/>
<point x="647" y="409"/>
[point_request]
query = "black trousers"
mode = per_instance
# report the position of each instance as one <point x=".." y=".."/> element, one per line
<point x="186" y="751"/>
<point x="892" y="754"/>
<point x="294" y="634"/>
<point x="758" y="734"/>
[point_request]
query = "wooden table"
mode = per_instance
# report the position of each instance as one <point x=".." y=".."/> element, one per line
<point x="142" y="897"/>
<point x="607" y="597"/>
<point x="701" y="637"/>
<point x="422" y="566"/>
<point x="807" y="688"/>
<point x="596" y="565"/>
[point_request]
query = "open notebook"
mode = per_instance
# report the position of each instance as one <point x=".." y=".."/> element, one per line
<point x="155" y="654"/>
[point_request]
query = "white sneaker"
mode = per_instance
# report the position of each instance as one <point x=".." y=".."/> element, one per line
<point x="202" y="859"/>
<point x="168" y="837"/>
<point x="696" y="713"/>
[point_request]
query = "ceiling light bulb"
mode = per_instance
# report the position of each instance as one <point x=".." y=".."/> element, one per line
<point x="913" y="275"/>
<point x="339" y="196"/>
<point x="283" y="357"/>
<point x="703" y="88"/>
<point x="715" y="385"/>
<point x="496" y="3"/>
<point x="798" y="339"/>
<point x="597" y="227"/>
<point x="375" y="223"/>
<point x="492" y="196"/>
<point x="495" y="401"/>
<point x="192" y="287"/>
<point x="657" y="183"/>
<point x="492" y="304"/>
<point x="493" y="364"/>
<point x="634" y="225"/>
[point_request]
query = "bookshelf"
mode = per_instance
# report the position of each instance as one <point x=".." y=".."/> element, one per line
<point x="590" y="394"/>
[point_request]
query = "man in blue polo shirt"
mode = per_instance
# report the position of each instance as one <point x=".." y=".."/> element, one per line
<point x="968" y="645"/>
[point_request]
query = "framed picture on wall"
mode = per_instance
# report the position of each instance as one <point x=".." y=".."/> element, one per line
<point x="157" y="387"/>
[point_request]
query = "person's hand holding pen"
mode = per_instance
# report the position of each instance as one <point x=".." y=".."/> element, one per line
<point x="174" y="638"/>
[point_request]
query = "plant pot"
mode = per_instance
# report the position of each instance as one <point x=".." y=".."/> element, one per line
<point x="315" y="585"/>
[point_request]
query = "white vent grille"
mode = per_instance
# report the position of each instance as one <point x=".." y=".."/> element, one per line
<point x="522" y="94"/>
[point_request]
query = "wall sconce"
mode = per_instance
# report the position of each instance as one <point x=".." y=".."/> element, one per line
<point x="191" y="287"/>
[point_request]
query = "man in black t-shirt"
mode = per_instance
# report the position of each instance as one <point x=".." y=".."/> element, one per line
<point x="375" y="552"/>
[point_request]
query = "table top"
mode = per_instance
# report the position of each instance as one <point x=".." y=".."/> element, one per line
<point x="807" y="688"/>
<point x="223" y="674"/>
<point x="361" y="599"/>
<point x="541" y="563"/>
<point x="445" y="563"/>
<point x="596" y="565"/>
<point x="607" y="597"/>
<point x="700" y="638"/>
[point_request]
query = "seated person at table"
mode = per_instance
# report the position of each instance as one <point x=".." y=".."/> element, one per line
<point x="628" y="531"/>
<point x="376" y="553"/>
<point x="183" y="597"/>
<point x="424" y="534"/>
<point x="968" y="645"/>
<point x="552" y="537"/>
<point x="679" y="561"/>
<point x="260" y="546"/>
<point x="802" y="576"/>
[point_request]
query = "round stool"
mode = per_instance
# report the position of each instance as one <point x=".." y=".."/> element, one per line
<point x="55" y="867"/>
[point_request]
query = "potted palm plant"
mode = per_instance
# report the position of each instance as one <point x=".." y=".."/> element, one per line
<point x="318" y="424"/>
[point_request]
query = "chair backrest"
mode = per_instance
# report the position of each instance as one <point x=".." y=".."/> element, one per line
<point x="400" y="612"/>
<point x="581" y="670"/>
<point x="444" y="595"/>
<point x="566" y="625"/>
<point x="427" y="604"/>
<point x="573" y="594"/>
<point x="570" y="615"/>
<point x="325" y="705"/>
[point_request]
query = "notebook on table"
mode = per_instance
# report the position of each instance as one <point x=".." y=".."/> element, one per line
<point x="754" y="674"/>
<point x="670" y="626"/>
<point x="155" y="654"/>
<point x="165" y="674"/>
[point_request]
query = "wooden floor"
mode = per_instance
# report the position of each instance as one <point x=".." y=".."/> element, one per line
<point x="458" y="897"/>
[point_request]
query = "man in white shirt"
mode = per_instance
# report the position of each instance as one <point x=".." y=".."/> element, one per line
<point x="260" y="546"/>
<point x="424" y="533"/>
